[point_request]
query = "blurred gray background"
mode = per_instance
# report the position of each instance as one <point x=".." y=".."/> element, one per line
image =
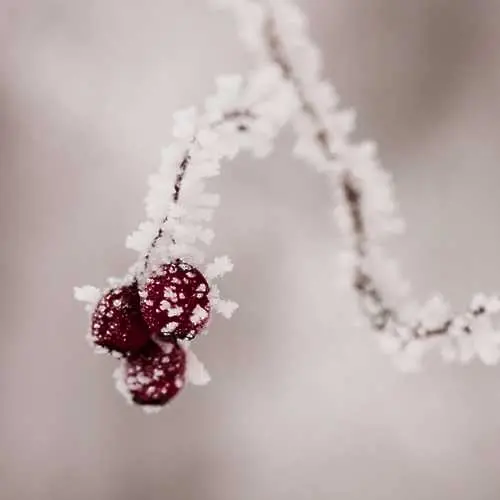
<point x="301" y="406"/>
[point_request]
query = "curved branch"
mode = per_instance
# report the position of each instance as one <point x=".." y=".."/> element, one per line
<point x="381" y="316"/>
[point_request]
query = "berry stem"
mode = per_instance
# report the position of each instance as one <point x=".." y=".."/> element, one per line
<point x="237" y="115"/>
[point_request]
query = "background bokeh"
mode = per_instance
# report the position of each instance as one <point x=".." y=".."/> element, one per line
<point x="301" y="404"/>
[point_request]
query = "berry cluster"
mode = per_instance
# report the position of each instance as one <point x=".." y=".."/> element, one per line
<point x="143" y="324"/>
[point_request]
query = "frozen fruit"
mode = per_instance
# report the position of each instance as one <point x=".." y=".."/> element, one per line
<point x="175" y="301"/>
<point x="155" y="374"/>
<point x="117" y="324"/>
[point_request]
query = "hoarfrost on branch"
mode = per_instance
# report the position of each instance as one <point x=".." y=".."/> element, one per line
<point x="247" y="113"/>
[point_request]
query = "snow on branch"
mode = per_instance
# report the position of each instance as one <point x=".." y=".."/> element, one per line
<point x="149" y="317"/>
<point x="365" y="203"/>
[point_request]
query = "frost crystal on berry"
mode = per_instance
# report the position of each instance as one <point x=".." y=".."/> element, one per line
<point x="175" y="301"/>
<point x="154" y="375"/>
<point x="117" y="324"/>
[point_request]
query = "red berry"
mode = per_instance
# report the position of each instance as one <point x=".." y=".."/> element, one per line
<point x="174" y="301"/>
<point x="117" y="322"/>
<point x="155" y="374"/>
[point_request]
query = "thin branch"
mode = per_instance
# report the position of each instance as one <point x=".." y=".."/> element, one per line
<point x="382" y="315"/>
<point x="231" y="116"/>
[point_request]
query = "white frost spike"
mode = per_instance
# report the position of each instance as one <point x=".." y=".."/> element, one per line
<point x="435" y="313"/>
<point x="207" y="139"/>
<point x="196" y="373"/>
<point x="172" y="154"/>
<point x="493" y="305"/>
<point x="185" y="252"/>
<point x="189" y="233"/>
<point x="219" y="267"/>
<point x="176" y="210"/>
<point x="192" y="189"/>
<point x="225" y="307"/>
<point x="306" y="149"/>
<point x="324" y="95"/>
<point x="250" y="17"/>
<point x="114" y="282"/>
<point x="262" y="83"/>
<point x="342" y="123"/>
<point x="226" y="98"/>
<point x="157" y="204"/>
<point x="204" y="169"/>
<point x="185" y="123"/>
<point x="89" y="294"/>
<point x="488" y="351"/>
<point x="479" y="301"/>
<point x="140" y="239"/>
<point x="486" y="341"/>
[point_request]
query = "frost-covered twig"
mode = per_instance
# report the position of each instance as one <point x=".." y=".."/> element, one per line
<point x="236" y="116"/>
<point x="150" y="316"/>
<point x="365" y="209"/>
